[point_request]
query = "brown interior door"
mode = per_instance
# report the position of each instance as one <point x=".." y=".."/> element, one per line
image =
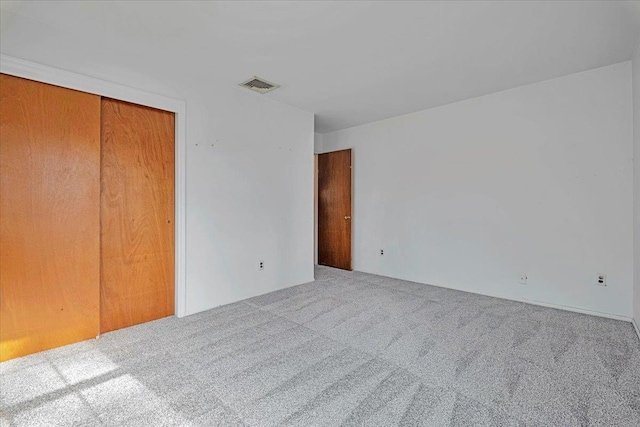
<point x="137" y="215"/>
<point x="49" y="216"/>
<point x="334" y="209"/>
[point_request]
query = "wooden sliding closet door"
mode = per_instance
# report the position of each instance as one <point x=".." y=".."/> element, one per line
<point x="49" y="216"/>
<point x="137" y="215"/>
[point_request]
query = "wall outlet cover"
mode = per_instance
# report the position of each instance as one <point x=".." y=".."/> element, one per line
<point x="601" y="280"/>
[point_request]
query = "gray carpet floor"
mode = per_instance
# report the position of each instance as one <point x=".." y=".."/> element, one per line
<point x="347" y="349"/>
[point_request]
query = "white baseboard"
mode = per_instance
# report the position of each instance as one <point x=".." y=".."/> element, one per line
<point x="635" y="326"/>
<point x="279" y="288"/>
<point x="542" y="304"/>
<point x="529" y="301"/>
<point x="578" y="310"/>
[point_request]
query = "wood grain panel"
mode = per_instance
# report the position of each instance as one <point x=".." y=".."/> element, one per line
<point x="137" y="214"/>
<point x="49" y="216"/>
<point x="334" y="209"/>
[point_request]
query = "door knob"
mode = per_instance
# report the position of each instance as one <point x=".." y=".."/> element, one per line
<point x="347" y="217"/>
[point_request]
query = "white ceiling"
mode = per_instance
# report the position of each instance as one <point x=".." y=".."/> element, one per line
<point x="348" y="62"/>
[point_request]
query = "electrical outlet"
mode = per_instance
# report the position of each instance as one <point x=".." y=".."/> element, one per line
<point x="523" y="279"/>
<point x="381" y="252"/>
<point x="261" y="265"/>
<point x="601" y="280"/>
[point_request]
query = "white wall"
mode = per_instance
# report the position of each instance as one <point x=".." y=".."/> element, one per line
<point x="317" y="142"/>
<point x="636" y="183"/>
<point x="249" y="163"/>
<point x="317" y="148"/>
<point x="249" y="197"/>
<point x="534" y="180"/>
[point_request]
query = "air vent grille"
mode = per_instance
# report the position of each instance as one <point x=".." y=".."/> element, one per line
<point x="259" y="85"/>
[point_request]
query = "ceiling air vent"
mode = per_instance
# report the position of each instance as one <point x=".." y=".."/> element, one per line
<point x="259" y="85"/>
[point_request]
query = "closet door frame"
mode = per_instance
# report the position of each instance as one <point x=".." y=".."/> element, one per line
<point x="42" y="73"/>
